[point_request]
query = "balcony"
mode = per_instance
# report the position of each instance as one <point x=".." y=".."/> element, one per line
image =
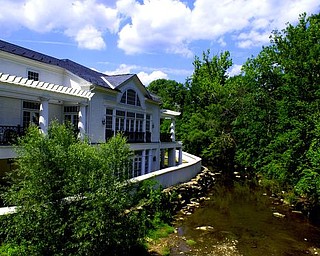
<point x="132" y="137"/>
<point x="10" y="134"/>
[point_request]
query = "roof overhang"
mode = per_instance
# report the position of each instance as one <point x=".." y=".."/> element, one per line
<point x="167" y="113"/>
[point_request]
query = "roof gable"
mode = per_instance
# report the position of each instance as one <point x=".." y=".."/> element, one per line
<point x="135" y="79"/>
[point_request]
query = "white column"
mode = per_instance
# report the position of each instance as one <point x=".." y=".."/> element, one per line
<point x="143" y="162"/>
<point x="144" y="129"/>
<point x="44" y="115"/>
<point x="150" y="160"/>
<point x="180" y="156"/>
<point x="114" y="121"/>
<point x="172" y="130"/>
<point x="82" y="120"/>
<point x="172" y="157"/>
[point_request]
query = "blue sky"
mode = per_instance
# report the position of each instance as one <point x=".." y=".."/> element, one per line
<point x="152" y="38"/>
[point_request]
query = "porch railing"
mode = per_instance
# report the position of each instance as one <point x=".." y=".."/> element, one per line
<point x="9" y="134"/>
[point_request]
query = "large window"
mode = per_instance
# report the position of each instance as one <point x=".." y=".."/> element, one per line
<point x="130" y="122"/>
<point x="109" y="114"/>
<point x="137" y="164"/>
<point x="130" y="97"/>
<point x="120" y="120"/>
<point x="30" y="113"/>
<point x="140" y="163"/>
<point x="71" y="114"/>
<point x="125" y="121"/>
<point x="148" y="123"/>
<point x="147" y="157"/>
<point x="135" y="126"/>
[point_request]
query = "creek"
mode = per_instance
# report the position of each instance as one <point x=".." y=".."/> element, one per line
<point x="242" y="220"/>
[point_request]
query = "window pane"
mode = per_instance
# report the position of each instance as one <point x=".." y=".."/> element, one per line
<point x="148" y="123"/>
<point x="131" y="114"/>
<point x="140" y="116"/>
<point x="124" y="98"/>
<point x="120" y="113"/>
<point x="26" y="118"/>
<point x="109" y="111"/>
<point x="71" y="109"/>
<point x="131" y="97"/>
<point x="31" y="105"/>
<point x="33" y="75"/>
<point x="109" y="122"/>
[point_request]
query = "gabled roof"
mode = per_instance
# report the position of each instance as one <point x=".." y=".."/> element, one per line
<point x="117" y="80"/>
<point x="90" y="75"/>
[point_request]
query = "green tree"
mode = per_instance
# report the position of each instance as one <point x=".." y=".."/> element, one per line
<point x="72" y="198"/>
<point x="172" y="93"/>
<point x="206" y="127"/>
<point x="277" y="131"/>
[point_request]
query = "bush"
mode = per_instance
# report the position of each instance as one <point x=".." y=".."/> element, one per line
<point x="72" y="197"/>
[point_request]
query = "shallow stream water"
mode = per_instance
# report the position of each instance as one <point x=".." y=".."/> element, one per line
<point x="245" y="221"/>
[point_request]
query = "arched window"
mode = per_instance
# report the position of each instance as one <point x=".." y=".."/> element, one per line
<point x="130" y="97"/>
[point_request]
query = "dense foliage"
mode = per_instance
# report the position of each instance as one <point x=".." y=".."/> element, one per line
<point x="72" y="198"/>
<point x="265" y="120"/>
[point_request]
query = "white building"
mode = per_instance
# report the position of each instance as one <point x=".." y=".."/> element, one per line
<point x="36" y="88"/>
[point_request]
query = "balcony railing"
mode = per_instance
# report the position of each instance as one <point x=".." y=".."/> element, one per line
<point x="132" y="137"/>
<point x="9" y="134"/>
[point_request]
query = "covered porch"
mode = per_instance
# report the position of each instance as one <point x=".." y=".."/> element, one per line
<point x="24" y="101"/>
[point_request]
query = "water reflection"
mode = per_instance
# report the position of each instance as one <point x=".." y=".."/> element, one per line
<point x="245" y="221"/>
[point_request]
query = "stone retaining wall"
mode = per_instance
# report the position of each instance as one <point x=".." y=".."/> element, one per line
<point x="188" y="195"/>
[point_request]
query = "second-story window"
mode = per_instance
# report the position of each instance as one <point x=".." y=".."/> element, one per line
<point x="32" y="75"/>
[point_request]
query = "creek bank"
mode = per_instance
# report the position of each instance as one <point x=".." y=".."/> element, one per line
<point x="201" y="192"/>
<point x="188" y="196"/>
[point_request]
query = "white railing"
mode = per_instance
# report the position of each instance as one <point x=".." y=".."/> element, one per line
<point x="190" y="167"/>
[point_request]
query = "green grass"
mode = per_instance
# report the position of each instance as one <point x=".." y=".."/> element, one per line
<point x="161" y="231"/>
<point x="191" y="242"/>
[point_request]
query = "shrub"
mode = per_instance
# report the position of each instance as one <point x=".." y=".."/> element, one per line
<point x="72" y="197"/>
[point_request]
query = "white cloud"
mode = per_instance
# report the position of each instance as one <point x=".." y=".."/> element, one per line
<point x="148" y="26"/>
<point x="253" y="38"/>
<point x="234" y="70"/>
<point x="85" y="21"/>
<point x="156" y="25"/>
<point x="122" y="69"/>
<point x="222" y="42"/>
<point x="127" y="69"/>
<point x="170" y="25"/>
<point x="89" y="37"/>
<point x="146" y="78"/>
